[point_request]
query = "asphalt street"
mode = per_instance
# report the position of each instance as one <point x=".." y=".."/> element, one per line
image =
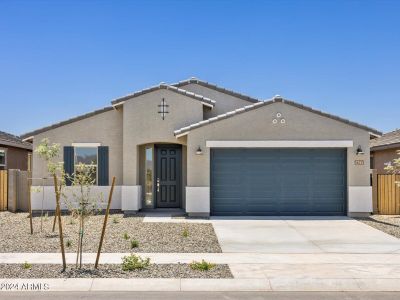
<point x="202" y="295"/>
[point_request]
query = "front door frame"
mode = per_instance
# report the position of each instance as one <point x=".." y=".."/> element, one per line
<point x="178" y="179"/>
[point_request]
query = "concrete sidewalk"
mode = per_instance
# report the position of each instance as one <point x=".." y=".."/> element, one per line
<point x="219" y="258"/>
<point x="251" y="271"/>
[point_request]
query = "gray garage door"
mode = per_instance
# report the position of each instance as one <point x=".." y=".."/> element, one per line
<point x="278" y="181"/>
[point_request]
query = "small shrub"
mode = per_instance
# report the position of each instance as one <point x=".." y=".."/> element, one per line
<point x="134" y="262"/>
<point x="126" y="236"/>
<point x="46" y="217"/>
<point x="115" y="220"/>
<point x="26" y="266"/>
<point x="202" y="266"/>
<point x="134" y="244"/>
<point x="68" y="243"/>
<point x="185" y="232"/>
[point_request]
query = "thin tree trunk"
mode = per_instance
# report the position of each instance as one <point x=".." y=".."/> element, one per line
<point x="58" y="209"/>
<point x="30" y="202"/>
<point x="56" y="212"/>
<point x="55" y="219"/>
<point x="105" y="223"/>
<point x="81" y="248"/>
<point x="79" y="243"/>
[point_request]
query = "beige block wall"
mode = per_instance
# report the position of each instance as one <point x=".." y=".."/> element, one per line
<point x="104" y="128"/>
<point x="257" y="125"/>
<point x="224" y="103"/>
<point x="144" y="125"/>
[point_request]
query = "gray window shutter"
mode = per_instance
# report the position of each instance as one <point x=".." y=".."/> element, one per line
<point x="103" y="166"/>
<point x="68" y="162"/>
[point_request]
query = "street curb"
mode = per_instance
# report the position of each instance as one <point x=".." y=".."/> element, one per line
<point x="197" y="285"/>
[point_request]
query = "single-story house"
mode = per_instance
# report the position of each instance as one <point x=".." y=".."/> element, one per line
<point x="384" y="149"/>
<point x="209" y="150"/>
<point x="14" y="152"/>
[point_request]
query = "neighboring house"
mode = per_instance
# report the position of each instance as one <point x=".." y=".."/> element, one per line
<point x="384" y="149"/>
<point x="208" y="150"/>
<point x="14" y="153"/>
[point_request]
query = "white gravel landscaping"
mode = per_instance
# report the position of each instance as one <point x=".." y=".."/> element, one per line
<point x="389" y="224"/>
<point x="121" y="231"/>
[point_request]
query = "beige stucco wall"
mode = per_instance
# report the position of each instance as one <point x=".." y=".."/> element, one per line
<point x="143" y="125"/>
<point x="382" y="157"/>
<point x="224" y="103"/>
<point x="104" y="128"/>
<point x="257" y="125"/>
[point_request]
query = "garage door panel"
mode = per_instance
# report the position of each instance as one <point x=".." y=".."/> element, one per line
<point x="278" y="181"/>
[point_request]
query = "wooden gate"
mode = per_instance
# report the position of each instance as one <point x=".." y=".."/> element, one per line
<point x="3" y="190"/>
<point x="388" y="194"/>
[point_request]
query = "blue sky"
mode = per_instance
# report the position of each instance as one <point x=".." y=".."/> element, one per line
<point x="61" y="59"/>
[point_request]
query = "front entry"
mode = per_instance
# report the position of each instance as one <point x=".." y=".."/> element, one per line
<point x="168" y="175"/>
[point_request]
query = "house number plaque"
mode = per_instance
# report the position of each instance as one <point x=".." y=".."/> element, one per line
<point x="359" y="162"/>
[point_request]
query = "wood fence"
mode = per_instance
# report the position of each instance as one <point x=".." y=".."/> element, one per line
<point x="3" y="190"/>
<point x="388" y="194"/>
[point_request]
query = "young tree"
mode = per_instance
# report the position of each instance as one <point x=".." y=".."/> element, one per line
<point x="83" y="203"/>
<point x="49" y="152"/>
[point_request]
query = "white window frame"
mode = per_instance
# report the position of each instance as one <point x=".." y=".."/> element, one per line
<point x="88" y="145"/>
<point x="5" y="158"/>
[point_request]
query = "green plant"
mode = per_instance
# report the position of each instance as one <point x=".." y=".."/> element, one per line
<point x="26" y="266"/>
<point x="134" y="262"/>
<point x="185" y="232"/>
<point x="134" y="244"/>
<point x="115" y="220"/>
<point x="202" y="266"/>
<point x="126" y="236"/>
<point x="68" y="243"/>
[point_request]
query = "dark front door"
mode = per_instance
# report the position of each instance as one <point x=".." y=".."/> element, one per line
<point x="168" y="175"/>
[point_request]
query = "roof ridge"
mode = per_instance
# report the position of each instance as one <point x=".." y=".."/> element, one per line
<point x="67" y="121"/>
<point x="166" y="86"/>
<point x="275" y="99"/>
<point x="215" y="87"/>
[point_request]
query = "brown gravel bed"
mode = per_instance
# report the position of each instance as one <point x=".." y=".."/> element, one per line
<point x="112" y="271"/>
<point x="152" y="237"/>
<point x="389" y="224"/>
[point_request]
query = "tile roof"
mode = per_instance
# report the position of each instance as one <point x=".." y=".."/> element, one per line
<point x="166" y="87"/>
<point x="71" y="120"/>
<point x="8" y="139"/>
<point x="215" y="87"/>
<point x="387" y="140"/>
<point x="268" y="102"/>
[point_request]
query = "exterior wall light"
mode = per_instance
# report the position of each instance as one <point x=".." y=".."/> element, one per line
<point x="359" y="150"/>
<point x="199" y="151"/>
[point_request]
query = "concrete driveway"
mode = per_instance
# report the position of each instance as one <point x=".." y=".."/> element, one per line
<point x="301" y="235"/>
